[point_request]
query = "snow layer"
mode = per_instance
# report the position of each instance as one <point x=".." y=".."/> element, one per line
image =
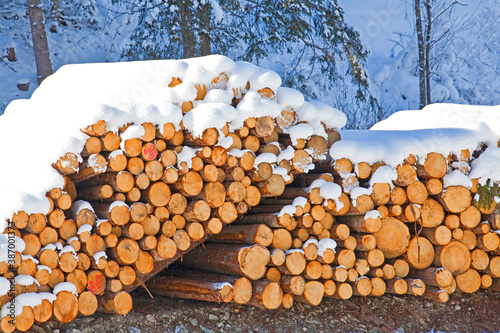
<point x="65" y="286"/>
<point x="28" y="299"/>
<point x="393" y="146"/>
<point x="47" y="125"/>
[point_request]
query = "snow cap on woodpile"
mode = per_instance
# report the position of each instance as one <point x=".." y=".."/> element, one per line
<point x="439" y="128"/>
<point x="36" y="132"/>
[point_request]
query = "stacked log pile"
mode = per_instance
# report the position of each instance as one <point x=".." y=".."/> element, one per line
<point x="132" y="204"/>
<point x="279" y="221"/>
<point x="351" y="232"/>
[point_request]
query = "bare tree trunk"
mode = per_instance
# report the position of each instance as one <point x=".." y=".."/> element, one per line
<point x="187" y="29"/>
<point x="428" y="52"/>
<point x="39" y="35"/>
<point x="205" y="43"/>
<point x="421" y="54"/>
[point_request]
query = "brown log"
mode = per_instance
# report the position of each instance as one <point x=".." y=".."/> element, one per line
<point x="94" y="165"/>
<point x="313" y="293"/>
<point x="98" y="192"/>
<point x="245" y="234"/>
<point x="343" y="291"/>
<point x="346" y="258"/>
<point x="434" y="276"/>
<point x="417" y="192"/>
<point x="393" y="238"/>
<point x="469" y="281"/>
<point x="36" y="223"/>
<point x="65" y="307"/>
<point x="434" y="185"/>
<point x="272" y="187"/>
<point x="266" y="294"/>
<point x="230" y="259"/>
<point x="437" y="294"/>
<point x="486" y="281"/>
<point x="363" y="170"/>
<point x="182" y="240"/>
<point x="378" y="287"/>
<point x="126" y="252"/>
<point x="415" y="287"/>
<point x="362" y="286"/>
<point x="48" y="236"/>
<point x="43" y="311"/>
<point x="118" y="213"/>
<point x="214" y="193"/>
<point x="369" y="223"/>
<point x="32" y="243"/>
<point x="440" y="235"/>
<point x="142" y="181"/>
<point x="470" y="217"/>
<point x="67" y="164"/>
<point x="381" y="193"/>
<point x="431" y="214"/>
<point x="83" y="261"/>
<point x="197" y="211"/>
<point x="488" y="242"/>
<point x="120" y="303"/>
<point x="479" y="259"/>
<point x="67" y="262"/>
<point x="397" y="286"/>
<point x="483" y="228"/>
<point x="158" y="194"/>
<point x="406" y="174"/>
<point x="183" y="287"/>
<point x="452" y="221"/>
<point x="117" y="161"/>
<point x="295" y="263"/>
<point x="420" y="253"/>
<point x="469" y="239"/>
<point x="493" y="267"/>
<point x="454" y="256"/>
<point x="374" y="257"/>
<point x="435" y="166"/>
<point x="87" y="303"/>
<point x="362" y="266"/>
<point x="49" y="258"/>
<point x="273" y="274"/>
<point x="455" y="199"/>
<point x="190" y="184"/>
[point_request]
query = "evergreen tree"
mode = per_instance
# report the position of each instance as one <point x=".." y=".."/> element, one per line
<point x="306" y="41"/>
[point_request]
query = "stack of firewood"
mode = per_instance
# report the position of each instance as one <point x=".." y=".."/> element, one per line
<point x="410" y="235"/>
<point x="136" y="200"/>
<point x="280" y="221"/>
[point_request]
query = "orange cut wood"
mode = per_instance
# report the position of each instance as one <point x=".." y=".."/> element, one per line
<point x="120" y="303"/>
<point x="158" y="194"/>
<point x="454" y="256"/>
<point x="393" y="238"/>
<point x="406" y="174"/>
<point x="43" y="311"/>
<point x="469" y="281"/>
<point x="435" y="166"/>
<point x="455" y="199"/>
<point x="417" y="192"/>
<point x="431" y="213"/>
<point x="87" y="303"/>
<point x="65" y="306"/>
<point x="420" y="253"/>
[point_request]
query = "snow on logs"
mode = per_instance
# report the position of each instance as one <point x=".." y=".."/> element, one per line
<point x="414" y="228"/>
<point x="241" y="164"/>
<point x="144" y="191"/>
